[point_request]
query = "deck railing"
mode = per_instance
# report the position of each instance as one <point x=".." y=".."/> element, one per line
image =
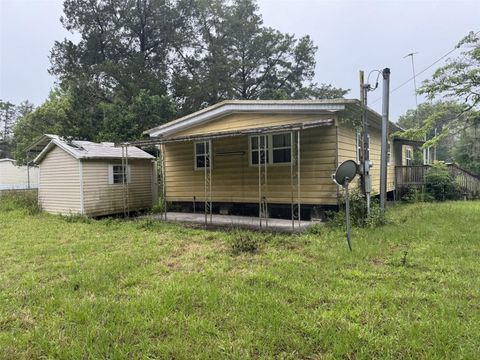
<point x="468" y="182"/>
<point x="414" y="175"/>
<point x="410" y="175"/>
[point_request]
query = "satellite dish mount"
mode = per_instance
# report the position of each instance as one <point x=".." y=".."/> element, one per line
<point x="344" y="174"/>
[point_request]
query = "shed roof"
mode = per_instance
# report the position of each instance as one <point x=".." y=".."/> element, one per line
<point x="90" y="150"/>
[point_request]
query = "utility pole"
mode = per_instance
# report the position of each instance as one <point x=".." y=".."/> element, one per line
<point x="365" y="145"/>
<point x="426" y="152"/>
<point x="383" y="153"/>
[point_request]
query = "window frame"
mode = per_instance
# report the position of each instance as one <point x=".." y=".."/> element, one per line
<point x="270" y="149"/>
<point x="112" y="173"/>
<point x="195" y="155"/>
<point x="408" y="159"/>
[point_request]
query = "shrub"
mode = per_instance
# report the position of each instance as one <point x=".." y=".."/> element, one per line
<point x="245" y="242"/>
<point x="358" y="212"/>
<point x="440" y="184"/>
<point x="19" y="200"/>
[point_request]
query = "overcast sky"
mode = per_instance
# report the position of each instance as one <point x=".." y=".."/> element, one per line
<point x="351" y="35"/>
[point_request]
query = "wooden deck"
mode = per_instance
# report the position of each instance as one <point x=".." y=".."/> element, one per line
<point x="414" y="176"/>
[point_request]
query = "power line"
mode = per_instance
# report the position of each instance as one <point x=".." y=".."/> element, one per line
<point x="421" y="72"/>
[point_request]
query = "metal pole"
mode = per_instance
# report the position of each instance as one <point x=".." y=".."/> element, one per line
<point x="259" y="179"/>
<point x="163" y="179"/>
<point x="292" y="160"/>
<point x="210" y="164"/>
<point x="366" y="143"/>
<point x="205" y="181"/>
<point x="298" y="178"/>
<point x="383" y="153"/>
<point x="347" y="212"/>
<point x="126" y="176"/>
<point x="265" y="193"/>
<point x="123" y="183"/>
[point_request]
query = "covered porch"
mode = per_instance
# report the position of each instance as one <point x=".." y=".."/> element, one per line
<point x="262" y="182"/>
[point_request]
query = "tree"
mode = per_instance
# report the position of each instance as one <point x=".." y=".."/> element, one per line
<point x="459" y="78"/>
<point x="466" y="151"/>
<point x="197" y="51"/>
<point x="8" y="116"/>
<point x="233" y="56"/>
<point x="431" y="118"/>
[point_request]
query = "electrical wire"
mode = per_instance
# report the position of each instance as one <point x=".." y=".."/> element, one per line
<point x="421" y="72"/>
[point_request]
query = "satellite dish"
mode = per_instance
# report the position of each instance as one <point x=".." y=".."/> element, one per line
<point x="345" y="173"/>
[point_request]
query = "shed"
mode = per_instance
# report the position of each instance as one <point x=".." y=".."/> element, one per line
<point x="82" y="177"/>
<point x="13" y="177"/>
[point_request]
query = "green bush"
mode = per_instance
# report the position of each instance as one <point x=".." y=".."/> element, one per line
<point x="440" y="184"/>
<point x="245" y="242"/>
<point x="19" y="200"/>
<point x="358" y="212"/>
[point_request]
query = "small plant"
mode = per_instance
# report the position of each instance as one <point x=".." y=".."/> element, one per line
<point x="440" y="184"/>
<point x="404" y="258"/>
<point x="244" y="242"/>
<point x="77" y="218"/>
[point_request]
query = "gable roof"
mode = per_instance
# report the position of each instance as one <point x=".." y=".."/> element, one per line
<point x="90" y="150"/>
<point x="224" y="108"/>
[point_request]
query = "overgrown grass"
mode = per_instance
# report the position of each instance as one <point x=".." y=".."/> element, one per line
<point x="142" y="289"/>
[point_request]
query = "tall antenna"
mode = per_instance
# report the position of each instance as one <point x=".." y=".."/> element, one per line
<point x="414" y="76"/>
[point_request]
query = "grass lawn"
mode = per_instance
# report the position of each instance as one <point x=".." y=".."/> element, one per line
<point x="116" y="289"/>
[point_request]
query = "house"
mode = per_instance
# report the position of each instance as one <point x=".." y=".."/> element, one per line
<point x="17" y="177"/>
<point x="82" y="177"/>
<point x="273" y="157"/>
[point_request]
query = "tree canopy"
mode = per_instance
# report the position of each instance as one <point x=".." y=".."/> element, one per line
<point x="140" y="63"/>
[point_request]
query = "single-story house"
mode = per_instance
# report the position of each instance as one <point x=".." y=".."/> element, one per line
<point x="82" y="177"/>
<point x="17" y="177"/>
<point x="268" y="154"/>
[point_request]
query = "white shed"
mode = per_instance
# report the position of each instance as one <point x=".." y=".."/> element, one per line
<point x="17" y="177"/>
<point x="82" y="177"/>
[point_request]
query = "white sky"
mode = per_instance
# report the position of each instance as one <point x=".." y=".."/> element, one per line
<point x="351" y="35"/>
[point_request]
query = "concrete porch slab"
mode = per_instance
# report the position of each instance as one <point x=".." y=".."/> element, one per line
<point x="234" y="221"/>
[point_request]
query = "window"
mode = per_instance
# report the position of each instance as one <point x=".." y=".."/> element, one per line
<point x="202" y="155"/>
<point x="408" y="156"/>
<point x="273" y="149"/>
<point x="257" y="154"/>
<point x="281" y="148"/>
<point x="117" y="174"/>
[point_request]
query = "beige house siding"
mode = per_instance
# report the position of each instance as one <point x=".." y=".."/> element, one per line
<point x="234" y="180"/>
<point x="59" y="183"/>
<point x="348" y="151"/>
<point x="15" y="177"/>
<point x="102" y="198"/>
<point x="249" y="121"/>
